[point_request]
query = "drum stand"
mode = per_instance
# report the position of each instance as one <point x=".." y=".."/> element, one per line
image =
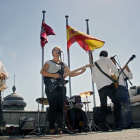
<point x="39" y="129"/>
<point x="90" y="124"/>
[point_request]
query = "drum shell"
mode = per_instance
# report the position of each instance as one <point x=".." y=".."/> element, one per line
<point x="67" y="107"/>
<point x="76" y="120"/>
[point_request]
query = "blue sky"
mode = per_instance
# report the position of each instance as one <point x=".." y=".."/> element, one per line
<point x="114" y="21"/>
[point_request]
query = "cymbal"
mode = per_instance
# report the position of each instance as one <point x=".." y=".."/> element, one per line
<point x="86" y="102"/>
<point x="86" y="94"/>
<point x="42" y="101"/>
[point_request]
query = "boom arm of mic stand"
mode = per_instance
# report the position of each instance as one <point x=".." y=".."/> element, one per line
<point x="123" y="72"/>
<point x="130" y="82"/>
<point x="128" y="79"/>
<point x="127" y="91"/>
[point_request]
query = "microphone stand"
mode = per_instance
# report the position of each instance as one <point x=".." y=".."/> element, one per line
<point x="122" y="70"/>
<point x="63" y="91"/>
<point x="62" y="78"/>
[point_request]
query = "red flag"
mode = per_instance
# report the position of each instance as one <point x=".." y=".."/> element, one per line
<point x="45" y="31"/>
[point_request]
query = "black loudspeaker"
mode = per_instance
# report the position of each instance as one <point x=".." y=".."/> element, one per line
<point x="26" y="123"/>
<point x="138" y="90"/>
<point x="135" y="113"/>
<point x="96" y="114"/>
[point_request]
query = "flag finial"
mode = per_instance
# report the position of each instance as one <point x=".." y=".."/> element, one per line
<point x="43" y="11"/>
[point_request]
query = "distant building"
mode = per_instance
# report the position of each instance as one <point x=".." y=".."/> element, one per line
<point x="14" y="101"/>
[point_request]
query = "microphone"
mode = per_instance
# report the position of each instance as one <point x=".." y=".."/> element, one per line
<point x="112" y="57"/>
<point x="59" y="52"/>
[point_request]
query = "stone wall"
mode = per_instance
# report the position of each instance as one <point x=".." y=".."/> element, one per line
<point x="12" y="117"/>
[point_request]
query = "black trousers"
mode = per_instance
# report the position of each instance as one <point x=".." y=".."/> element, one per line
<point x="55" y="99"/>
<point x="109" y="91"/>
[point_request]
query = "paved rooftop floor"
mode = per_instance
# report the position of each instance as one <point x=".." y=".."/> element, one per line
<point x="128" y="134"/>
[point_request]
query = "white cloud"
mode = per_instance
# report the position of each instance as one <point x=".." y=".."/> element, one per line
<point x="14" y="55"/>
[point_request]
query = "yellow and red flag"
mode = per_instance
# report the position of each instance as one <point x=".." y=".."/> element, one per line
<point x="86" y="41"/>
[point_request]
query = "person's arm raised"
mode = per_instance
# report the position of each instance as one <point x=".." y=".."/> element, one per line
<point x="80" y="71"/>
<point x="127" y="72"/>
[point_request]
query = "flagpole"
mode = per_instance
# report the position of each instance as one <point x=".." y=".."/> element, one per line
<point x="68" y="57"/>
<point x="42" y="108"/>
<point x="91" y="62"/>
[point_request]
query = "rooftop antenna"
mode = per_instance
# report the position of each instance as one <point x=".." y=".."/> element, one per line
<point x="14" y="87"/>
<point x="14" y="78"/>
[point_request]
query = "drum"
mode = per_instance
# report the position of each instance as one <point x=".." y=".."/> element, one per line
<point x="76" y="120"/>
<point x="77" y="101"/>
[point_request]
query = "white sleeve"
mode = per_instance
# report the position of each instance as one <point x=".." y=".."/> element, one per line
<point x="128" y="74"/>
<point x="48" y="62"/>
<point x="113" y="68"/>
<point x="65" y="65"/>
